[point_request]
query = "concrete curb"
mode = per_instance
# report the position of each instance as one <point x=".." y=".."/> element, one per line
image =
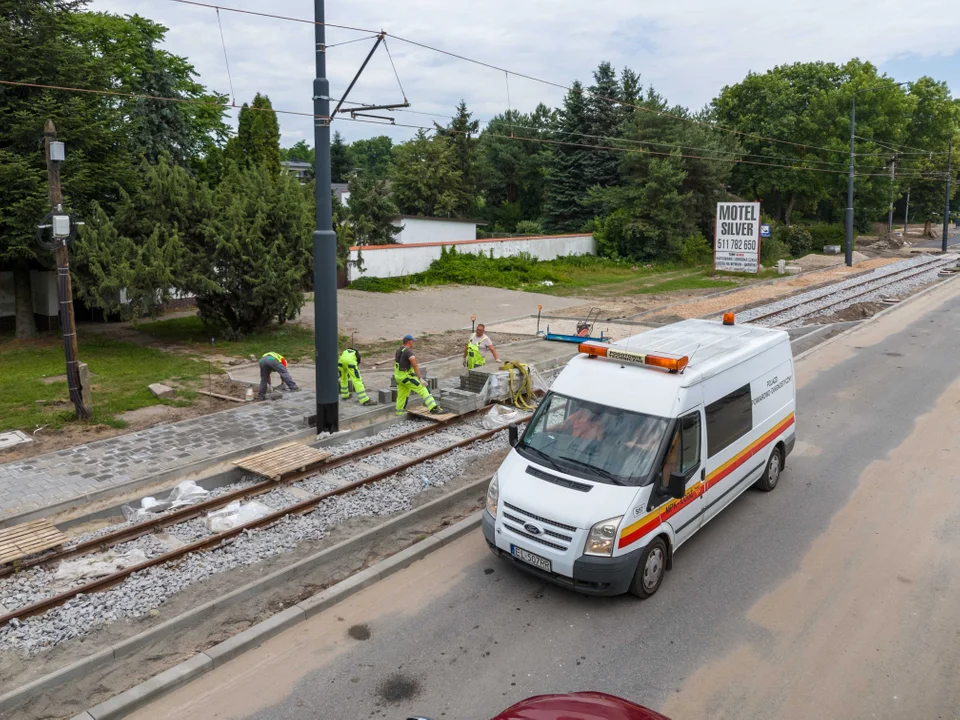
<point x="879" y="315"/>
<point x="201" y="663"/>
<point x="308" y="607"/>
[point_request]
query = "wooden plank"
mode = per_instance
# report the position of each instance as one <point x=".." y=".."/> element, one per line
<point x="436" y="417"/>
<point x="28" y="539"/>
<point x="283" y="459"/>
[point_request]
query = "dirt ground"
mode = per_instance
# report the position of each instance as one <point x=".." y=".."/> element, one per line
<point x="374" y="317"/>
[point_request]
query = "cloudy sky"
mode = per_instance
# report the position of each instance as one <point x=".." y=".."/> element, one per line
<point x="687" y="49"/>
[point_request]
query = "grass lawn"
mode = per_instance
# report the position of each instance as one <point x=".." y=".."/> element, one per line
<point x="294" y="342"/>
<point x="569" y="276"/>
<point x="120" y="372"/>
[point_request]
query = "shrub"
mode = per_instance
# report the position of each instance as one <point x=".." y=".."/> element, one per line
<point x="827" y="234"/>
<point x="771" y="250"/>
<point x="529" y="227"/>
<point x="796" y="238"/>
<point x="696" y="250"/>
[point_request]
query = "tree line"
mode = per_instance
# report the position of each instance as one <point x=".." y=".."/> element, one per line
<point x="175" y="203"/>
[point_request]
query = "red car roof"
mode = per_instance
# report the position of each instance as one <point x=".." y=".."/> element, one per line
<point x="578" y="706"/>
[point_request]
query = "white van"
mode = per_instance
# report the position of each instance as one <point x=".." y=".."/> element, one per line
<point x="636" y="446"/>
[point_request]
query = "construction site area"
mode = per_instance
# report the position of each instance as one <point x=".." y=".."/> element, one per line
<point x="209" y="524"/>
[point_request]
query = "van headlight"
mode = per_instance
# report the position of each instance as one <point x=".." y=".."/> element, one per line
<point x="603" y="537"/>
<point x="493" y="495"/>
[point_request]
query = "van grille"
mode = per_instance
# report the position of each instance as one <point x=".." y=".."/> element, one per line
<point x="515" y="519"/>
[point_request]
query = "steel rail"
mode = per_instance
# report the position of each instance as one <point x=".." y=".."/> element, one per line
<point x="884" y="280"/>
<point x="154" y="525"/>
<point x="214" y="540"/>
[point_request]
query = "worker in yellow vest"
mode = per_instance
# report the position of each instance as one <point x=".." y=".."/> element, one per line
<point x="270" y="363"/>
<point x="349" y="363"/>
<point x="406" y="372"/>
<point x="473" y="352"/>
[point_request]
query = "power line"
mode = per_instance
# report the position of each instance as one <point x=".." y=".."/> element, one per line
<point x="546" y="141"/>
<point x="272" y="16"/>
<point x="226" y="60"/>
<point x="141" y="96"/>
<point x="532" y="78"/>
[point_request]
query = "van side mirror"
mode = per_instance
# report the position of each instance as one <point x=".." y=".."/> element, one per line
<point x="513" y="433"/>
<point x="677" y="485"/>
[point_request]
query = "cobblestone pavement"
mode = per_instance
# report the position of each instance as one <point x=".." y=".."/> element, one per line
<point x="45" y="480"/>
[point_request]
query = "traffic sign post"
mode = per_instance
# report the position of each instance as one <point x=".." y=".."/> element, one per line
<point x="737" y="238"/>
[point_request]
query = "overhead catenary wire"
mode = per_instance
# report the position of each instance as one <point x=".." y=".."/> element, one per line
<point x="546" y="141"/>
<point x="226" y="60"/>
<point x="526" y="76"/>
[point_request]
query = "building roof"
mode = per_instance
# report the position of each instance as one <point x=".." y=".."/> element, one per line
<point x="441" y="219"/>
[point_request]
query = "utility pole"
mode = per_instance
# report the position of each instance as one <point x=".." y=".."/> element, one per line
<point x="64" y="289"/>
<point x="848" y="255"/>
<point x="906" y="216"/>
<point x="324" y="246"/>
<point x="946" y="202"/>
<point x="893" y="165"/>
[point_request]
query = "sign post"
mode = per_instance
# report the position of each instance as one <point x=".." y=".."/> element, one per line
<point x="737" y="238"/>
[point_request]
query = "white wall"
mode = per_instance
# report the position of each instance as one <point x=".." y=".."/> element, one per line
<point x="45" y="299"/>
<point x="399" y="260"/>
<point x="8" y="303"/>
<point x="421" y="230"/>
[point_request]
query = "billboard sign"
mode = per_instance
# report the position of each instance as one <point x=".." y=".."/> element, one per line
<point x="737" y="247"/>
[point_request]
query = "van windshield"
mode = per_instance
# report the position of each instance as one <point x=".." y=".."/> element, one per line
<point x="601" y="443"/>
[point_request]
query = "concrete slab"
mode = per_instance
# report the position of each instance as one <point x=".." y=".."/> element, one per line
<point x="370" y="317"/>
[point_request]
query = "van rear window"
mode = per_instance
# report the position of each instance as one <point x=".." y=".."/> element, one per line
<point x="729" y="419"/>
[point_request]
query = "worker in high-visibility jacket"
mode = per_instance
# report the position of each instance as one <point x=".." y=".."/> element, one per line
<point x="349" y="363"/>
<point x="473" y="352"/>
<point x="406" y="372"/>
<point x="274" y="362"/>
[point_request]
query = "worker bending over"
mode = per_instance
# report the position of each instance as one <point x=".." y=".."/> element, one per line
<point x="473" y="352"/>
<point x="274" y="362"/>
<point x="350" y="374"/>
<point x="406" y="371"/>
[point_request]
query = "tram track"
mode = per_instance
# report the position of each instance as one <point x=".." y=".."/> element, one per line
<point x="177" y="517"/>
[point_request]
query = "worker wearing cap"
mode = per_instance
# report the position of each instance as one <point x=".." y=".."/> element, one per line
<point x="473" y="352"/>
<point x="406" y="372"/>
<point x="274" y="362"/>
<point x="349" y="363"/>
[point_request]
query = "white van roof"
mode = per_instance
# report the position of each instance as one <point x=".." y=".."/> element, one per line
<point x="711" y="346"/>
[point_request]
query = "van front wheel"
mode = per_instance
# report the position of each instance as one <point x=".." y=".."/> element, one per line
<point x="650" y="570"/>
<point x="771" y="474"/>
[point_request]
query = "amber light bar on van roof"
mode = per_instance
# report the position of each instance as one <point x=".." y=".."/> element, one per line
<point x="672" y="363"/>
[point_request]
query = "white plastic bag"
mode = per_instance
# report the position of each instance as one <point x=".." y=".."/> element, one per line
<point x="72" y="572"/>
<point x="235" y="514"/>
<point x="187" y="493"/>
<point x="147" y="506"/>
<point x="500" y="416"/>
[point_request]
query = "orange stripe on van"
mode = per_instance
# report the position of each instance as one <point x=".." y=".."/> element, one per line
<point x="652" y="520"/>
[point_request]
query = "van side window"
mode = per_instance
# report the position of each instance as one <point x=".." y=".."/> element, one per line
<point x="690" y="430"/>
<point x="729" y="419"/>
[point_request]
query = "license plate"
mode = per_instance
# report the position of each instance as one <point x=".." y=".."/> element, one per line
<point x="530" y="558"/>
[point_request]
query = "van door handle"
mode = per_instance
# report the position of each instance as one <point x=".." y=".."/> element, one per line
<point x="703" y="473"/>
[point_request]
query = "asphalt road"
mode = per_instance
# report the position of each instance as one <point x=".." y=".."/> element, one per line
<point x="834" y="596"/>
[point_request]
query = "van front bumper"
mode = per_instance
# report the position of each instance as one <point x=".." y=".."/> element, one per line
<point x="591" y="575"/>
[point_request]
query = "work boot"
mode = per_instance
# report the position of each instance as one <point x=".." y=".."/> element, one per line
<point x="291" y="389"/>
<point x="369" y="403"/>
<point x="436" y="410"/>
